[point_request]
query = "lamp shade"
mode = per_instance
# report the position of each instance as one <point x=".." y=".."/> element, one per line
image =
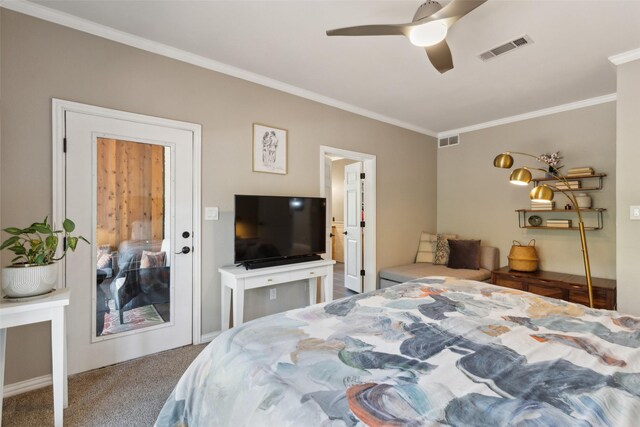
<point x="503" y="160"/>
<point x="520" y="176"/>
<point x="541" y="193"/>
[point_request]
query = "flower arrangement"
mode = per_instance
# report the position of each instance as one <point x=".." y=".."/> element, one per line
<point x="551" y="159"/>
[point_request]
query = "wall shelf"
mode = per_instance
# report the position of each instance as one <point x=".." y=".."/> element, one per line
<point x="524" y="214"/>
<point x="598" y="176"/>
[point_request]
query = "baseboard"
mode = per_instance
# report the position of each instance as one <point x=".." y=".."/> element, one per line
<point x="209" y="337"/>
<point x="27" y="385"/>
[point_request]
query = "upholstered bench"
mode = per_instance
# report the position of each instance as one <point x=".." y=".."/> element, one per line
<point x="424" y="266"/>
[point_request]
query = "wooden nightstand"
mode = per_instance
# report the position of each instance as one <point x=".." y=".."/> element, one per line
<point x="569" y="287"/>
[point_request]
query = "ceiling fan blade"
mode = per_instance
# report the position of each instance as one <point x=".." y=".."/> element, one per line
<point x="440" y="56"/>
<point x="370" y="30"/>
<point x="456" y="9"/>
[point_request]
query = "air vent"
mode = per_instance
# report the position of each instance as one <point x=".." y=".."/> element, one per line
<point x="507" y="47"/>
<point x="449" y="141"/>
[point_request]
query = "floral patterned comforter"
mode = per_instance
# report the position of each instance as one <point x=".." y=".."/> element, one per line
<point x="428" y="352"/>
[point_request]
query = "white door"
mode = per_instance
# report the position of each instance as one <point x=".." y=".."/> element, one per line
<point x="329" y="222"/>
<point x="128" y="187"/>
<point x="353" y="215"/>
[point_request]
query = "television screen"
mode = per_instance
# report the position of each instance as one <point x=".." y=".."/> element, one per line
<point x="271" y="227"/>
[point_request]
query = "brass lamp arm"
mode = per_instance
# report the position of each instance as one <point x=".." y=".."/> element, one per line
<point x="569" y="195"/>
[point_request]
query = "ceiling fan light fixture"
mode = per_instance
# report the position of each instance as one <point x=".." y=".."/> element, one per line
<point x="428" y="34"/>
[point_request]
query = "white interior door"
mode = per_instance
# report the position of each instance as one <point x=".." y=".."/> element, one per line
<point x="128" y="187"/>
<point x="352" y="229"/>
<point x="328" y="167"/>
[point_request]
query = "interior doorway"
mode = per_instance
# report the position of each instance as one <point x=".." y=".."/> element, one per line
<point x="351" y="217"/>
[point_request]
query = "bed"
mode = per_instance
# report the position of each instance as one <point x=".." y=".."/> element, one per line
<point x="428" y="352"/>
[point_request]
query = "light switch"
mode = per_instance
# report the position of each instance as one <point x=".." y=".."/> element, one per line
<point x="634" y="212"/>
<point x="210" y="214"/>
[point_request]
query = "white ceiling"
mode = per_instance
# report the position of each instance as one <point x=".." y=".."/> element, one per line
<point x="285" y="41"/>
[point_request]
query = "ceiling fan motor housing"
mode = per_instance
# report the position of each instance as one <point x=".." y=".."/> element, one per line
<point x="426" y="9"/>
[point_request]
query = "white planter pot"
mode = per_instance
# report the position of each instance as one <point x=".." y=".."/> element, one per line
<point x="584" y="200"/>
<point x="28" y="280"/>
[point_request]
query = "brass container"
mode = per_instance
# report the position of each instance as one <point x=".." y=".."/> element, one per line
<point x="523" y="257"/>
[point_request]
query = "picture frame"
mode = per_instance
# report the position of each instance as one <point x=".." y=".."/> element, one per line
<point x="269" y="149"/>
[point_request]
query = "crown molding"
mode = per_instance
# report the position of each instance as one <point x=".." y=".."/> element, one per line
<point x="533" y="114"/>
<point x="624" y="57"/>
<point x="80" y="24"/>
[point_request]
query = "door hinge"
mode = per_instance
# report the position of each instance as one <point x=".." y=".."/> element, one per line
<point x="362" y="272"/>
<point x="361" y="175"/>
<point x="362" y="224"/>
<point x="64" y="244"/>
<point x="64" y="145"/>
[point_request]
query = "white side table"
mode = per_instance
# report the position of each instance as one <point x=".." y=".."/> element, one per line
<point x="238" y="280"/>
<point x="46" y="308"/>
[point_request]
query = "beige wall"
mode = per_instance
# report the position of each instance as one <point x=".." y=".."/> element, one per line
<point x="41" y="61"/>
<point x="476" y="200"/>
<point x="628" y="190"/>
<point x="337" y="188"/>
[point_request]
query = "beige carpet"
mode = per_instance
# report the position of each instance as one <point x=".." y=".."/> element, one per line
<point x="127" y="394"/>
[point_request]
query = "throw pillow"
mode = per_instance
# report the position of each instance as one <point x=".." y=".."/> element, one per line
<point x="104" y="260"/>
<point x="152" y="259"/>
<point x="426" y="248"/>
<point x="464" y="254"/>
<point x="441" y="256"/>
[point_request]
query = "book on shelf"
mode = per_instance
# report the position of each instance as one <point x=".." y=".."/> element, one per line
<point x="569" y="185"/>
<point x="580" y="171"/>
<point x="542" y="202"/>
<point x="542" y="206"/>
<point x="558" y="225"/>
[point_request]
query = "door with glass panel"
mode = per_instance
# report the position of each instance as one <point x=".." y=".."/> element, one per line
<point x="129" y="186"/>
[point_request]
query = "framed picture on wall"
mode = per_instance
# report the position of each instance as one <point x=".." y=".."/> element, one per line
<point x="269" y="149"/>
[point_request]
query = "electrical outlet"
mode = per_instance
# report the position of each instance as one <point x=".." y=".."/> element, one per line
<point x="272" y="294"/>
<point x="634" y="212"/>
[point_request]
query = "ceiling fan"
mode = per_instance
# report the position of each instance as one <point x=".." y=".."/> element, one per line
<point x="428" y="29"/>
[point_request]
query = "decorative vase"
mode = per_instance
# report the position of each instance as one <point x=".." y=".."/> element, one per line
<point x="583" y="200"/>
<point x="27" y="280"/>
<point x="552" y="172"/>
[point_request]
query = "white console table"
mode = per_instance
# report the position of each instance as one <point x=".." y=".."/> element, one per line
<point x="239" y="279"/>
<point x="46" y="308"/>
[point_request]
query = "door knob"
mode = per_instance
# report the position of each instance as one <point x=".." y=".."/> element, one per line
<point x="331" y="234"/>
<point x="345" y="233"/>
<point x="185" y="234"/>
<point x="185" y="250"/>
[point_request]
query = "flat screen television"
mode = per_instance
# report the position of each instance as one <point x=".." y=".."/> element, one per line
<point x="275" y="230"/>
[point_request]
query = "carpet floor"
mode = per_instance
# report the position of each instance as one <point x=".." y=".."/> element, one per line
<point x="127" y="394"/>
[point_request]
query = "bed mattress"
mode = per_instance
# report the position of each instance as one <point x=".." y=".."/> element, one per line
<point x="437" y="351"/>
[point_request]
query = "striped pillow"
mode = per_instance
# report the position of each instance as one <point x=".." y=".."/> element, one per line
<point x="426" y="248"/>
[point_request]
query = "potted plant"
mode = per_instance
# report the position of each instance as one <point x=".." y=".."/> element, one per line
<point x="33" y="270"/>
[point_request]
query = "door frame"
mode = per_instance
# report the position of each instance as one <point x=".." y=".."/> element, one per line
<point x="369" y="166"/>
<point x="58" y="111"/>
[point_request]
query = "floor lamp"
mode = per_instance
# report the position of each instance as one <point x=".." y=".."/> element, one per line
<point x="545" y="192"/>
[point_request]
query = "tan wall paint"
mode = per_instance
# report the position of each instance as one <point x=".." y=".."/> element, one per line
<point x="43" y="60"/>
<point x="476" y="200"/>
<point x="628" y="190"/>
